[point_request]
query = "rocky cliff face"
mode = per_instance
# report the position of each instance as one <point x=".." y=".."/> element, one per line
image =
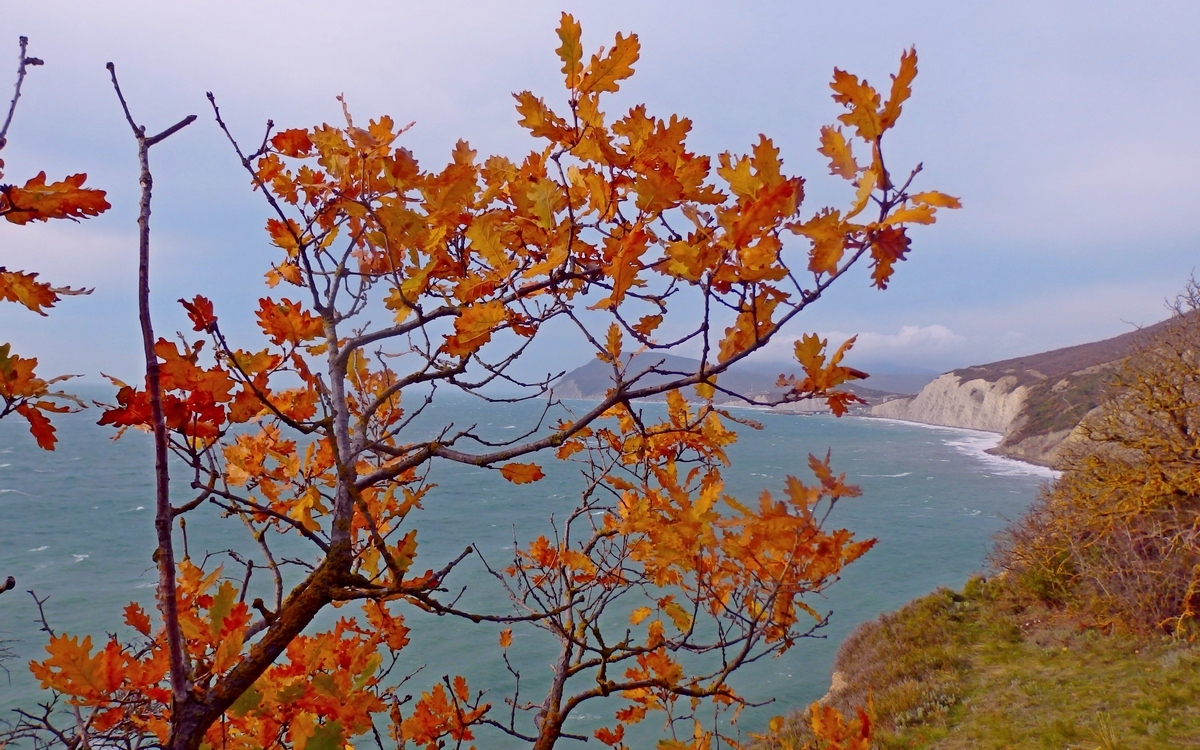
<point x="974" y="404"/>
<point x="1036" y="402"/>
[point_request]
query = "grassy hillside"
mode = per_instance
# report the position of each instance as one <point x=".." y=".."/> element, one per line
<point x="987" y="669"/>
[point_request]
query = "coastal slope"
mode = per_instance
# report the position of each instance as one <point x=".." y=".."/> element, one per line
<point x="1035" y="401"/>
<point x="593" y="380"/>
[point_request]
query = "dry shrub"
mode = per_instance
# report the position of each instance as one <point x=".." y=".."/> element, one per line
<point x="1118" y="534"/>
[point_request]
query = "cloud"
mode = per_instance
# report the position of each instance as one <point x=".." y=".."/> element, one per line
<point x="912" y="346"/>
<point x="925" y="339"/>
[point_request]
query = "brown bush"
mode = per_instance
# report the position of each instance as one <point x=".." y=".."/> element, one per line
<point x="1118" y="534"/>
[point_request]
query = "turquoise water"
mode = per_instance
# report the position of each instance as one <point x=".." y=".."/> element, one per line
<point x="76" y="526"/>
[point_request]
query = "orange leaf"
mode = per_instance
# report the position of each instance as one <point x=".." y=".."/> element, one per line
<point x="841" y="158"/>
<point x="610" y="737"/>
<point x="39" y="426"/>
<point x="136" y="618"/>
<point x="200" y="312"/>
<point x="506" y="638"/>
<point x="460" y="689"/>
<point x="521" y="473"/>
<point x="37" y="201"/>
<point x="614" y="342"/>
<point x="605" y="74"/>
<point x="861" y="100"/>
<point x="828" y="236"/>
<point x="473" y="328"/>
<point x="647" y="324"/>
<point x="901" y="88"/>
<point x="887" y="247"/>
<point x="934" y="198"/>
<point x="284" y="321"/>
<point x="17" y="286"/>
<point x="539" y="119"/>
<point x="571" y="52"/>
<point x="919" y="214"/>
<point x="294" y="143"/>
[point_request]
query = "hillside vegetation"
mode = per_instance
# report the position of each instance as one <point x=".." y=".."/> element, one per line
<point x="1087" y="636"/>
<point x="990" y="668"/>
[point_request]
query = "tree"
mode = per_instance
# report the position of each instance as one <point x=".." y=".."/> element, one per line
<point x="22" y="391"/>
<point x="613" y="228"/>
<point x="1118" y="533"/>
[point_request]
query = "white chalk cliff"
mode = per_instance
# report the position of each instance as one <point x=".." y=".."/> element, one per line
<point x="947" y="401"/>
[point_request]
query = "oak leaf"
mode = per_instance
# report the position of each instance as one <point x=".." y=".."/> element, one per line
<point x="473" y="328"/>
<point x="606" y="73"/>
<point x="901" y="88"/>
<point x="37" y="201"/>
<point x="841" y="157"/>
<point x="888" y="246"/>
<point x="521" y="473"/>
<point x="861" y="100"/>
<point x="571" y="51"/>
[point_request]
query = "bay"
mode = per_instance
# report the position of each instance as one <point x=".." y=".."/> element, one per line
<point x="76" y="527"/>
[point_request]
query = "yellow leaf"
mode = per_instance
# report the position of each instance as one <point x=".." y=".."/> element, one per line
<point x="918" y="214"/>
<point x="473" y="328"/>
<point x="861" y="100"/>
<point x="934" y="198"/>
<point x="639" y="614"/>
<point x="866" y="184"/>
<point x="828" y="236"/>
<point x="571" y="52"/>
<point x="538" y="118"/>
<point x="646" y="325"/>
<point x="604" y="74"/>
<point x="901" y="88"/>
<point x="678" y="615"/>
<point x="841" y="158"/>
<point x="613" y="347"/>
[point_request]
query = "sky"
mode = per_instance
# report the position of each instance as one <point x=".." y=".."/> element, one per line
<point x="1067" y="128"/>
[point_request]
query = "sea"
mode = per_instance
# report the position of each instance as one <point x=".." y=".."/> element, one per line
<point x="76" y="529"/>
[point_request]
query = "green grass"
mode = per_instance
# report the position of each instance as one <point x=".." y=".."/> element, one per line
<point x="985" y="669"/>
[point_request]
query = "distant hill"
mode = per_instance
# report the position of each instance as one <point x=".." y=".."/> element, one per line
<point x="755" y="384"/>
<point x="1035" y="401"/>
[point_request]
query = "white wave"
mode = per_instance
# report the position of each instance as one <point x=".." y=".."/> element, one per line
<point x="6" y="491"/>
<point x="5" y="466"/>
<point x="39" y="549"/>
<point x="134" y="510"/>
<point x="887" y="476"/>
<point x="80" y="558"/>
<point x="975" y="443"/>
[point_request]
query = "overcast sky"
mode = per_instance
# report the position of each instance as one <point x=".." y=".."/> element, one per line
<point x="1068" y="129"/>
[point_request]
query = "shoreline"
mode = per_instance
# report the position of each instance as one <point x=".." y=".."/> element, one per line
<point x="978" y="445"/>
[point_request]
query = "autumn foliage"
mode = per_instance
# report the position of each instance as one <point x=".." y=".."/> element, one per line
<point x="22" y="391"/>
<point x="611" y="226"/>
<point x="1117" y="535"/>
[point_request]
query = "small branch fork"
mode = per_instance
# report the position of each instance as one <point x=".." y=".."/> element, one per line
<point x="164" y="514"/>
<point x="24" y="62"/>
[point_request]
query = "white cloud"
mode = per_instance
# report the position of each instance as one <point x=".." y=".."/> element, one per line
<point x="912" y="345"/>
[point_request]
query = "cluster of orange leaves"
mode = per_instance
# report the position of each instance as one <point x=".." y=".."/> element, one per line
<point x="467" y="253"/>
<point x="683" y="534"/>
<point x="325" y="692"/>
<point x="21" y="390"/>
